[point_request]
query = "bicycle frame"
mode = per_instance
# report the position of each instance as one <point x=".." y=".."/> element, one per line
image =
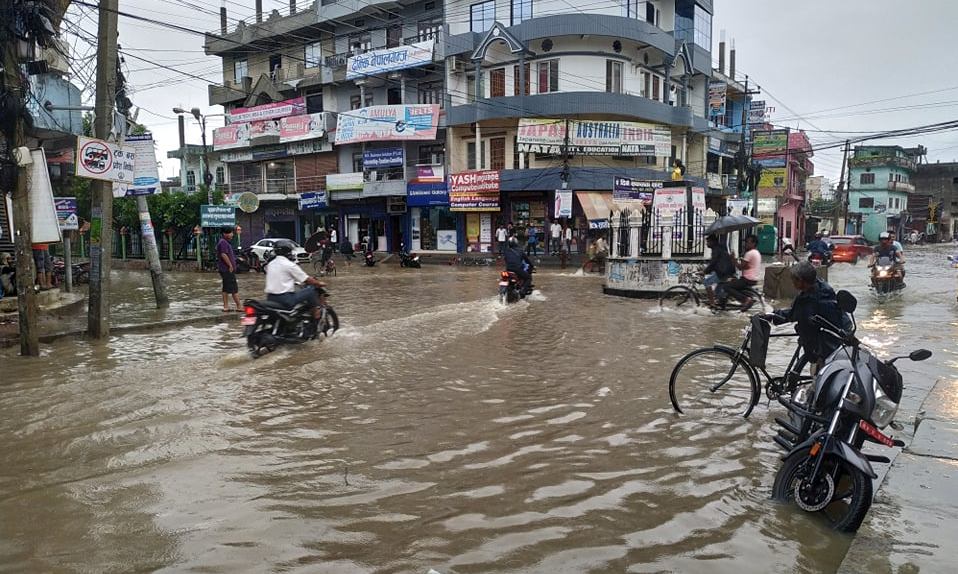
<point x="743" y="353"/>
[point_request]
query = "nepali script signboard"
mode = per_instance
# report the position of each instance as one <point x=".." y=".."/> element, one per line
<point x="107" y="161"/>
<point x="389" y="60"/>
<point x="626" y="190"/>
<point x="611" y="138"/>
<point x="474" y="191"/>
<point x="388" y="123"/>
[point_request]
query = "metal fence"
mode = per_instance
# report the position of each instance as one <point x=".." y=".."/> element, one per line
<point x="644" y="233"/>
<point x="181" y="245"/>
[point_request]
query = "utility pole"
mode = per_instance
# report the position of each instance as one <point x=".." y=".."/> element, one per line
<point x="101" y="211"/>
<point x="152" y="253"/>
<point x="844" y="188"/>
<point x="22" y="233"/>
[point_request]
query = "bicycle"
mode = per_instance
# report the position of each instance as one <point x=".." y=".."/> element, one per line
<point x="690" y="295"/>
<point x="323" y="269"/>
<point x="705" y="380"/>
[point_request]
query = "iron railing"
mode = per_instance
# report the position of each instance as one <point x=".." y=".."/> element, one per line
<point x="644" y="233"/>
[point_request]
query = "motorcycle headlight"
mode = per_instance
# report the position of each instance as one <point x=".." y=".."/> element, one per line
<point x="885" y="408"/>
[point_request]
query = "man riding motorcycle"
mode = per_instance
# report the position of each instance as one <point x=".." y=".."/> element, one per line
<point x="519" y="263"/>
<point x="282" y="276"/>
<point x="820" y="247"/>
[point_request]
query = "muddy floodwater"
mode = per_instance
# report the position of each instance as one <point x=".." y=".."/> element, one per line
<point x="437" y="429"/>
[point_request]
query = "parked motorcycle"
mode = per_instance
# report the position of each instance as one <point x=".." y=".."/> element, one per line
<point x="887" y="276"/>
<point x="268" y="325"/>
<point x="851" y="399"/>
<point x="407" y="259"/>
<point x="369" y="258"/>
<point x="511" y="288"/>
<point x="81" y="272"/>
<point x="248" y="260"/>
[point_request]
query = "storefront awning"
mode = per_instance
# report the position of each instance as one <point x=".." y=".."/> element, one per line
<point x="597" y="205"/>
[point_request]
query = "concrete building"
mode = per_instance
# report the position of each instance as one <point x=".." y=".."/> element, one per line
<point x="622" y="87"/>
<point x="191" y="168"/>
<point x="940" y="182"/>
<point x="785" y="157"/>
<point x="727" y="113"/>
<point x="372" y="70"/>
<point x="880" y="183"/>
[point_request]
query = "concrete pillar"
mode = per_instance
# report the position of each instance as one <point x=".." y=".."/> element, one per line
<point x="635" y="221"/>
<point x="666" y="225"/>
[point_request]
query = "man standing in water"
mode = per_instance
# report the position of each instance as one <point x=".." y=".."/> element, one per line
<point x="226" y="264"/>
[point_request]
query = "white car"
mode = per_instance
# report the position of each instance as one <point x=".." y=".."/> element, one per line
<point x="264" y="247"/>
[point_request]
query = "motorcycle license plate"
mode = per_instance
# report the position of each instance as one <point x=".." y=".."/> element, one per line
<point x="248" y="321"/>
<point x="503" y="283"/>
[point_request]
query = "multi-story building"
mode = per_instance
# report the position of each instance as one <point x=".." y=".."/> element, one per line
<point x="621" y="86"/>
<point x="372" y="70"/>
<point x="785" y="157"/>
<point x="939" y="181"/>
<point x="728" y="114"/>
<point x="191" y="158"/>
<point x="880" y="182"/>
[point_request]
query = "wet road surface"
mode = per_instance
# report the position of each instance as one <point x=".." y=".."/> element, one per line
<point x="437" y="429"/>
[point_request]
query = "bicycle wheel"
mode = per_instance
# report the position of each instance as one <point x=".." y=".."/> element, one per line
<point x="678" y="297"/>
<point x="713" y="382"/>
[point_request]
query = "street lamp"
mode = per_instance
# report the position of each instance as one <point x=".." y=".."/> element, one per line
<point x="205" y="168"/>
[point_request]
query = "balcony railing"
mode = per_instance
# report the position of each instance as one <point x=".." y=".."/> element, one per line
<point x="901" y="186"/>
<point x="280" y="185"/>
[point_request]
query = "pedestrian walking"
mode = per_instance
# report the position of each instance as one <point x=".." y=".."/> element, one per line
<point x="532" y="245"/>
<point x="333" y="237"/>
<point x="501" y="237"/>
<point x="567" y="236"/>
<point x="555" y="237"/>
<point x="226" y="264"/>
<point x="347" y="250"/>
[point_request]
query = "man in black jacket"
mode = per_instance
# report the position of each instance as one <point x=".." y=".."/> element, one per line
<point x="720" y="269"/>
<point x="518" y="262"/>
<point x="815" y="297"/>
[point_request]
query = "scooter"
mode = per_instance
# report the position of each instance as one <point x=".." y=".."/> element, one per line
<point x="267" y="325"/>
<point x="853" y="397"/>
<point x="407" y="259"/>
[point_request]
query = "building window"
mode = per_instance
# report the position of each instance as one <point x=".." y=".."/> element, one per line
<point x="613" y="76"/>
<point x="497" y="153"/>
<point x="656" y="89"/>
<point x="867" y="178"/>
<point x="703" y="28"/>
<point x="393" y="96"/>
<point x="369" y="99"/>
<point x="190" y="181"/>
<point x="482" y="16"/>
<point x="866" y="202"/>
<point x="548" y="76"/>
<point x="393" y="36"/>
<point x="314" y="55"/>
<point x="275" y="63"/>
<point x="431" y="93"/>
<point x="355" y="102"/>
<point x="429" y="30"/>
<point x="357" y="161"/>
<point x="471" y="155"/>
<point x="434" y="154"/>
<point x="515" y="79"/>
<point x="314" y="103"/>
<point x="497" y="83"/>
<point x="360" y="43"/>
<point x="470" y="88"/>
<point x="240" y="70"/>
<point x="521" y="11"/>
<point x="220" y="175"/>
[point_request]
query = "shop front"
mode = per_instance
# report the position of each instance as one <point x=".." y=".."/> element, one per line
<point x="432" y="225"/>
<point x="476" y="195"/>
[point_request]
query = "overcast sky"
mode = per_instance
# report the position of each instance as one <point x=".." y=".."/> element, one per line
<point x="807" y="56"/>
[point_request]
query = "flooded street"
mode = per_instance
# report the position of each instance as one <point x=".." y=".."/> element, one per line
<point x="437" y="429"/>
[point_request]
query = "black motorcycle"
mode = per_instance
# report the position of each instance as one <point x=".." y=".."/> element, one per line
<point x="821" y="259"/>
<point x="269" y="325"/>
<point x="247" y="260"/>
<point x="407" y="259"/>
<point x="511" y="288"/>
<point x="887" y="276"/>
<point x="851" y="399"/>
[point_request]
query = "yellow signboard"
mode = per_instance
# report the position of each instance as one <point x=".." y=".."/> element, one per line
<point x="773" y="177"/>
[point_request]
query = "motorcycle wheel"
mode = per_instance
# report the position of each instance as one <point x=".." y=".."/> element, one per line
<point x="330" y="322"/>
<point x="852" y="496"/>
<point x="512" y="295"/>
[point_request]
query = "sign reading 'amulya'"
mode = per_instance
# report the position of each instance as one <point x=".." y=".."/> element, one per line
<point x="588" y="137"/>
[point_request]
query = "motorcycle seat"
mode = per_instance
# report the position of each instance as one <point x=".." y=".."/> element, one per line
<point x="265" y="304"/>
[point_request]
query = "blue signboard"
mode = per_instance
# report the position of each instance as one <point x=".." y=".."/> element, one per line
<point x="388" y="157"/>
<point x="313" y="200"/>
<point x="427" y="194"/>
<point x="67" y="213"/>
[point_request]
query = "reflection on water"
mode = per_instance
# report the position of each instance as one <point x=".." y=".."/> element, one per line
<point x="437" y="429"/>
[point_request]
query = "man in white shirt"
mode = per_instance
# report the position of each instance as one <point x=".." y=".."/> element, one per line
<point x="567" y="236"/>
<point x="333" y="237"/>
<point x="282" y="276"/>
<point x="502" y="235"/>
<point x="555" y="232"/>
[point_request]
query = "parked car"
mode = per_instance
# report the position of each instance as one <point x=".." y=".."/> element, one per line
<point x="850" y="248"/>
<point x="264" y="246"/>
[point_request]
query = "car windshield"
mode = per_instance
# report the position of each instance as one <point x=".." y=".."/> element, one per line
<point x="841" y="240"/>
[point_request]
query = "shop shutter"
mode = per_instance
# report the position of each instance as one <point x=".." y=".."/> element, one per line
<point x="311" y="171"/>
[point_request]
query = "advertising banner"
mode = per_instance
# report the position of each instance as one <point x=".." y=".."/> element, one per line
<point x="772" y="177"/>
<point x="217" y="216"/>
<point x="293" y="107"/>
<point x="67" y="213"/>
<point x="767" y="162"/>
<point x="627" y="190"/>
<point x="427" y="194"/>
<point x="770" y="142"/>
<point x="146" y="176"/>
<point x="98" y="159"/>
<point x="304" y="127"/>
<point x="313" y="200"/>
<point x="231" y="136"/>
<point x="388" y="157"/>
<point x="717" y="94"/>
<point x="430" y="173"/>
<point x="563" y="204"/>
<point x="756" y="112"/>
<point x="474" y="191"/>
<point x="344" y="181"/>
<point x="547" y="136"/>
<point x="667" y="201"/>
<point x="388" y="123"/>
<point x="389" y="59"/>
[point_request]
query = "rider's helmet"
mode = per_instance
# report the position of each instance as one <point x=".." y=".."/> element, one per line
<point x="884" y="235"/>
<point x="284" y="247"/>
<point x="825" y="233"/>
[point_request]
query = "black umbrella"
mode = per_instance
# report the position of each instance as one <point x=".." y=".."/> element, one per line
<point x="730" y="223"/>
<point x="312" y="244"/>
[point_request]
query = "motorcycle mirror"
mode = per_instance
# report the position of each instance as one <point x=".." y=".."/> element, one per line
<point x="919" y="355"/>
<point x="847" y="301"/>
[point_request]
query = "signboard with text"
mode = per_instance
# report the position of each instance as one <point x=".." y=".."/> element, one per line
<point x="217" y="216"/>
<point x="627" y="190"/>
<point x="563" y="203"/>
<point x="106" y="161"/>
<point x="313" y="200"/>
<point x="717" y="93"/>
<point x="67" y="213"/>
<point x="613" y="138"/>
<point x="421" y="194"/>
<point x="474" y="191"/>
<point x="769" y="142"/>
<point x="388" y="123"/>
<point x="388" y="157"/>
<point x="146" y="176"/>
<point x="389" y="60"/>
<point x="292" y="107"/>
